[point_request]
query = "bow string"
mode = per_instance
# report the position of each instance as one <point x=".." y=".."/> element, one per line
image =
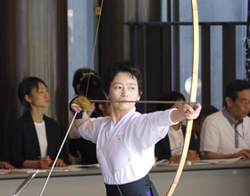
<point x="87" y="89"/>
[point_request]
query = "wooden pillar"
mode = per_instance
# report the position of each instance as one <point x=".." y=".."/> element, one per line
<point x="206" y="65"/>
<point x="229" y="58"/>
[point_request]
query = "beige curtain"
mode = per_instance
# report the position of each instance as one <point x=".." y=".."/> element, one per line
<point x="34" y="44"/>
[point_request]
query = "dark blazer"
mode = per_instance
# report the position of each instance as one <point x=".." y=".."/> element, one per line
<point x="86" y="148"/>
<point x="24" y="144"/>
<point x="162" y="148"/>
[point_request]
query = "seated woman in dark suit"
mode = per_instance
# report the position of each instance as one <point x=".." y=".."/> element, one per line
<point x="170" y="147"/>
<point x="34" y="138"/>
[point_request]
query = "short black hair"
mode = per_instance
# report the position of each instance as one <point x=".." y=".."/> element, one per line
<point x="101" y="97"/>
<point x="169" y="96"/>
<point x="25" y="88"/>
<point x="206" y="111"/>
<point x="234" y="87"/>
<point x="91" y="86"/>
<point x="78" y="75"/>
<point x="125" y="66"/>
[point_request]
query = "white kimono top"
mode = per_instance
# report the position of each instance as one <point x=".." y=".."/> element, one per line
<point x="125" y="151"/>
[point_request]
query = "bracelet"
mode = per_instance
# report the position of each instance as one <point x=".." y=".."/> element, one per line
<point x="233" y="155"/>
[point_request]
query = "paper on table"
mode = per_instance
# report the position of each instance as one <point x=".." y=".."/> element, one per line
<point x="4" y="171"/>
<point x="84" y="166"/>
<point x="29" y="170"/>
<point x="58" y="169"/>
<point x="197" y="162"/>
<point x="26" y="170"/>
<point x="221" y="160"/>
<point x="162" y="162"/>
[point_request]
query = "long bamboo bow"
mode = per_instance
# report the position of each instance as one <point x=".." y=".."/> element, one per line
<point x="192" y="97"/>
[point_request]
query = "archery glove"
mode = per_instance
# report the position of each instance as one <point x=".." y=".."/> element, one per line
<point x="83" y="102"/>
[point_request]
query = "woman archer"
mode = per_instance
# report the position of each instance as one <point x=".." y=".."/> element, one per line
<point x="125" y="140"/>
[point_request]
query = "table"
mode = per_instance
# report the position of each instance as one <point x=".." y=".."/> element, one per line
<point x="229" y="179"/>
